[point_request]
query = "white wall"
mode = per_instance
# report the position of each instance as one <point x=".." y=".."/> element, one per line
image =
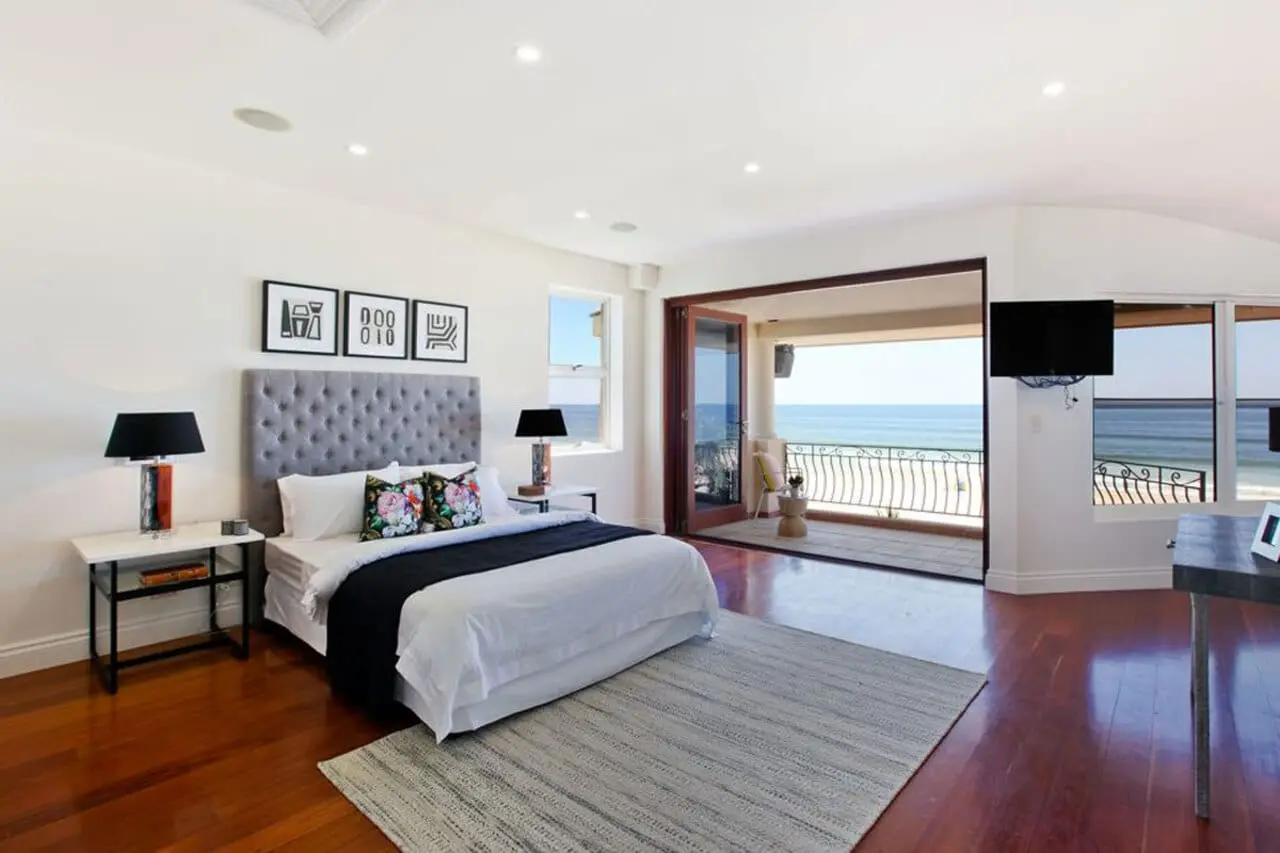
<point x="1045" y="534"/>
<point x="132" y="283"/>
<point x="1065" y="543"/>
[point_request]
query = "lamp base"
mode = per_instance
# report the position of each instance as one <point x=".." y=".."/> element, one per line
<point x="531" y="491"/>
<point x="542" y="464"/>
<point x="155" y="508"/>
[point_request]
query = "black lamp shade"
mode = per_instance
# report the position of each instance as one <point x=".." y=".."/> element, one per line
<point x="1273" y="431"/>
<point x="541" y="423"/>
<point x="146" y="435"/>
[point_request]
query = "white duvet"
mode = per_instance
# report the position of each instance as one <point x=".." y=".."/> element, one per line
<point x="462" y="638"/>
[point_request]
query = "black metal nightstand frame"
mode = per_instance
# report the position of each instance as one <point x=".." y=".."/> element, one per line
<point x="105" y="581"/>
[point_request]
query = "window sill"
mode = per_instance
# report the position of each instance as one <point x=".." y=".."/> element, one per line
<point x="560" y="451"/>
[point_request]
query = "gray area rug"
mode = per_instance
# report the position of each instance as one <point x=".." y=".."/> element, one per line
<point x="765" y="738"/>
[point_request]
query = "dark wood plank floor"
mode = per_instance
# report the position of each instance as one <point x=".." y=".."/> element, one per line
<point x="1081" y="741"/>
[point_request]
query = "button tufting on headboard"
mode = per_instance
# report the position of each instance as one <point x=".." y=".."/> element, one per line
<point x="305" y="422"/>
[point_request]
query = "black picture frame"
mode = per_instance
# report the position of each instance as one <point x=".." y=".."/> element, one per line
<point x="270" y="285"/>
<point x="463" y="331"/>
<point x="408" y="331"/>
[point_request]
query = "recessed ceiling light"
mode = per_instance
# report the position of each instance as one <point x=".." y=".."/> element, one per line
<point x="1054" y="89"/>
<point x="751" y="168"/>
<point x="357" y="149"/>
<point x="623" y="227"/>
<point x="528" y="53"/>
<point x="262" y="120"/>
<point x="581" y="214"/>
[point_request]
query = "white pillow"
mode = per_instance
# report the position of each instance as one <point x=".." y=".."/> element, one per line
<point x="493" y="499"/>
<point x="448" y="471"/>
<point x="333" y="505"/>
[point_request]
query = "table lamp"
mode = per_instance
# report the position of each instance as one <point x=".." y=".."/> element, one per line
<point x="540" y="424"/>
<point x="152" y="437"/>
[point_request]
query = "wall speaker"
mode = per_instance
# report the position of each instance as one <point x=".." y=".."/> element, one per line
<point x="1273" y="431"/>
<point x="642" y="277"/>
<point x="784" y="357"/>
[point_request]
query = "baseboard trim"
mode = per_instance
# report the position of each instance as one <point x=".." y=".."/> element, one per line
<point x="1044" y="583"/>
<point x="59" y="649"/>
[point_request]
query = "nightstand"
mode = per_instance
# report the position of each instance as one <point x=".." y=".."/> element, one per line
<point x="115" y="582"/>
<point x="543" y="501"/>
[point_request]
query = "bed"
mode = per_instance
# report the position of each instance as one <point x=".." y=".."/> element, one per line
<point x="534" y="606"/>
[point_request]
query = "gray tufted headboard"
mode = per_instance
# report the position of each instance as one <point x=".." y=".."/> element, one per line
<point x="327" y="422"/>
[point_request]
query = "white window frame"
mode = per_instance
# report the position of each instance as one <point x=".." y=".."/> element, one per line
<point x="608" y="373"/>
<point x="1225" y="400"/>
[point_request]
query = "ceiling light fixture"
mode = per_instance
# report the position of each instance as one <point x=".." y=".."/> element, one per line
<point x="357" y="149"/>
<point x="262" y="120"/>
<point x="528" y="54"/>
<point x="1054" y="89"/>
<point x="581" y="214"/>
<point x="751" y="168"/>
<point x="623" y="227"/>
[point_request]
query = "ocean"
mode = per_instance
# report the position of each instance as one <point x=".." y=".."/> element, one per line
<point x="1173" y="435"/>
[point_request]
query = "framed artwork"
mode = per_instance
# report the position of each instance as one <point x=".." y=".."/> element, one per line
<point x="1266" y="541"/>
<point x="439" y="331"/>
<point x="299" y="318"/>
<point x="377" y="326"/>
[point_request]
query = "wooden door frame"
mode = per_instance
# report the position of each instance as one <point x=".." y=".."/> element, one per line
<point x="673" y="437"/>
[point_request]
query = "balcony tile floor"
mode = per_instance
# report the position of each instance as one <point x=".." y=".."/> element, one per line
<point x="950" y="556"/>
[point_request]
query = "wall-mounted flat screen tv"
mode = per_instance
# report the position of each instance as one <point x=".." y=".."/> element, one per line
<point x="1070" y="338"/>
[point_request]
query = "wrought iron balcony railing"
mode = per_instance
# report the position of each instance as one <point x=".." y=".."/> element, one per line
<point x="907" y="479"/>
<point x="1118" y="483"/>
<point x="937" y="481"/>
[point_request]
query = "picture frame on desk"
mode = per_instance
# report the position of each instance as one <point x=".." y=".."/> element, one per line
<point x="1266" y="540"/>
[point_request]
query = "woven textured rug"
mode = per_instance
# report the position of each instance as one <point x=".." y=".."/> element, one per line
<point x="764" y="738"/>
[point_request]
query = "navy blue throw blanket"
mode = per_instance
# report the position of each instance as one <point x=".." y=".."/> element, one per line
<point x="364" y="614"/>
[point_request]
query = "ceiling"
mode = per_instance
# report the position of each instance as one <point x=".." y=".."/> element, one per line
<point x="647" y="112"/>
<point x="886" y="297"/>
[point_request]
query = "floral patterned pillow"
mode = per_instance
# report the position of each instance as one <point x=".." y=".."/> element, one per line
<point x="391" y="509"/>
<point x="451" y="502"/>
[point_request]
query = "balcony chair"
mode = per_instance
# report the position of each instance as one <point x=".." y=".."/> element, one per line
<point x="771" y="479"/>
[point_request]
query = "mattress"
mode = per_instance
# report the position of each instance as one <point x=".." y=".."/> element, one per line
<point x="283" y="606"/>
<point x="297" y="561"/>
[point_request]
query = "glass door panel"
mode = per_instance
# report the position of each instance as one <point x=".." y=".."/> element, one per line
<point x="717" y="390"/>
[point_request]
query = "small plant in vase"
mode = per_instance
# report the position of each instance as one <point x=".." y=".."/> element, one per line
<point x="796" y="484"/>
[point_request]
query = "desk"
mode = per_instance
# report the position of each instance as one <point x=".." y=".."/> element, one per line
<point x="1212" y="557"/>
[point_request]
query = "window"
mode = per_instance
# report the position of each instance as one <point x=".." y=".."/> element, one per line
<point x="1257" y="389"/>
<point x="1154" y="435"/>
<point x="580" y="344"/>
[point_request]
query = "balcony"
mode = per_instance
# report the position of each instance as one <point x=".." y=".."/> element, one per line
<point x="907" y="507"/>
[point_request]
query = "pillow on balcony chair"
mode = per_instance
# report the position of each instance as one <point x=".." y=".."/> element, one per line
<point x="770" y="471"/>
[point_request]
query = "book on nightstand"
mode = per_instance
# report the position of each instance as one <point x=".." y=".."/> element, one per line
<point x="172" y="574"/>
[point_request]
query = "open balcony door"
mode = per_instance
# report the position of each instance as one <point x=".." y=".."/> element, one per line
<point x="714" y="365"/>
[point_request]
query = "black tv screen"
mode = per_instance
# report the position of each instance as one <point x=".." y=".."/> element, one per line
<point x="1052" y="338"/>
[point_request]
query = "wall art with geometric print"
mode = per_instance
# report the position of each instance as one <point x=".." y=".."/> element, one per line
<point x="377" y="326"/>
<point x="299" y="318"/>
<point x="439" y="331"/>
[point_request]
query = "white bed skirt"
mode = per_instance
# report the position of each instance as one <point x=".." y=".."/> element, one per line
<point x="283" y="606"/>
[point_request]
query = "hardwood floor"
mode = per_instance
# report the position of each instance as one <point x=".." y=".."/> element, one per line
<point x="1080" y="742"/>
